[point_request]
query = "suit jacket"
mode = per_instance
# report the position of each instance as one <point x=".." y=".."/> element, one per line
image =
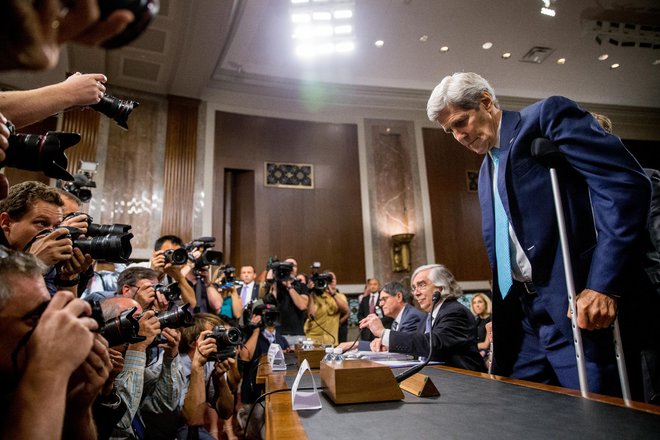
<point x="412" y="319"/>
<point x="255" y="293"/>
<point x="454" y="338"/>
<point x="605" y="198"/>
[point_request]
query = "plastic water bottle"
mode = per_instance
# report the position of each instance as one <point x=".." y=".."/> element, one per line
<point x="328" y="354"/>
<point x="308" y="344"/>
<point x="337" y="354"/>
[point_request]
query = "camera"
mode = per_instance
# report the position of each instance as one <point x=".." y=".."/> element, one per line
<point x="110" y="248"/>
<point x="177" y="318"/>
<point x="122" y="329"/>
<point x="82" y="181"/>
<point x="176" y="256"/>
<point x="281" y="269"/>
<point x="171" y="291"/>
<point x="270" y="316"/>
<point x="43" y="153"/>
<point x="115" y="109"/>
<point x="321" y="281"/>
<point x="208" y="257"/>
<point x="227" y="279"/>
<point x="143" y="10"/>
<point x="226" y="339"/>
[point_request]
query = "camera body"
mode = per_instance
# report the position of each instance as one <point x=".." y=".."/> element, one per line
<point x="172" y="291"/>
<point x="321" y="281"/>
<point x="226" y="340"/>
<point x="123" y="329"/>
<point x="112" y="247"/>
<point x="176" y="257"/>
<point x="177" y="318"/>
<point x="281" y="269"/>
<point x="208" y="256"/>
<point x="270" y="316"/>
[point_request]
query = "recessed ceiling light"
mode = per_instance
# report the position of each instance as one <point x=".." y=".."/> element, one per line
<point x="342" y="13"/>
<point x="615" y="66"/>
<point x="379" y="43"/>
<point x="487" y="45"/>
<point x="424" y="38"/>
<point x="656" y="62"/>
<point x="444" y="49"/>
<point x="561" y="61"/>
<point x="603" y="57"/>
<point x="506" y="55"/>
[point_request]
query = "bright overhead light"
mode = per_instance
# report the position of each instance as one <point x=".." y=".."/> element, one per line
<point x="299" y="2"/>
<point x="656" y="62"/>
<point x="424" y="38"/>
<point x="342" y="13"/>
<point x="321" y="16"/>
<point x="615" y="66"/>
<point x="379" y="43"/>
<point x="506" y="55"/>
<point x="547" y="8"/>
<point x="444" y="49"/>
<point x="561" y="61"/>
<point x="487" y="45"/>
<point x="603" y="57"/>
<point x="343" y="30"/>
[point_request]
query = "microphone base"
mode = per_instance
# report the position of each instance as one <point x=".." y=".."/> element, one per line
<point x="358" y="381"/>
<point x="420" y="385"/>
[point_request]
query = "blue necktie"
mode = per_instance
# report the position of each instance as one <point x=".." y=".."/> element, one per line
<point x="502" y="252"/>
<point x="429" y="323"/>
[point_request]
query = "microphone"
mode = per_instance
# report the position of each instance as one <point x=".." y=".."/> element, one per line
<point x="413" y="370"/>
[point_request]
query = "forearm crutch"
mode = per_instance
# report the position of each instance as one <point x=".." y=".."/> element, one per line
<point x="550" y="156"/>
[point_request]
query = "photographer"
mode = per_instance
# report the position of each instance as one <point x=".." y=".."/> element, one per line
<point x="27" y="218"/>
<point x="48" y="382"/>
<point x="204" y="407"/>
<point x="138" y="283"/>
<point x="289" y="295"/>
<point x="263" y="320"/>
<point x="326" y="305"/>
<point x="25" y="107"/>
<point x="168" y="271"/>
<point x="232" y="305"/>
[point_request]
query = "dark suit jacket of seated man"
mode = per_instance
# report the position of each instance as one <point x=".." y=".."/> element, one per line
<point x="412" y="320"/>
<point x="454" y="338"/>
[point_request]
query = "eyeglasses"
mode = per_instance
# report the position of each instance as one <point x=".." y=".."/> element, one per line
<point x="420" y="286"/>
<point x="382" y="299"/>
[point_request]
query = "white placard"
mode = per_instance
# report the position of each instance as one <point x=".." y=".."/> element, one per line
<point x="304" y="399"/>
<point x="276" y="358"/>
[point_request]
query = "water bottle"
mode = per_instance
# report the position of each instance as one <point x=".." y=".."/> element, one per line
<point x="337" y="354"/>
<point x="328" y="354"/>
<point x="308" y="344"/>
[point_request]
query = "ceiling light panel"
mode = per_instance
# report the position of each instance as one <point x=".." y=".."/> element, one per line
<point x="322" y="27"/>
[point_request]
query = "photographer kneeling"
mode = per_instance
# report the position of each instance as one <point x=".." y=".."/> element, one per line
<point x="326" y="305"/>
<point x="263" y="320"/>
<point x="207" y="352"/>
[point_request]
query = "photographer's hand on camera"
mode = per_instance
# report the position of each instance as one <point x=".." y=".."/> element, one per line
<point x="148" y="298"/>
<point x="149" y="328"/>
<point x="88" y="380"/>
<point x="43" y="26"/>
<point x="171" y="347"/>
<point x="64" y="336"/>
<point x="204" y="348"/>
<point x="80" y="221"/>
<point x="53" y="247"/>
<point x="68" y="274"/>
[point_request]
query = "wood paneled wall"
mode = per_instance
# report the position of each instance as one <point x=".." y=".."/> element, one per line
<point x="179" y="166"/>
<point x="455" y="211"/>
<point x="322" y="224"/>
<point x="86" y="122"/>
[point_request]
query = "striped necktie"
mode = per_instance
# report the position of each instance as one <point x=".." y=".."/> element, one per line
<point x="502" y="250"/>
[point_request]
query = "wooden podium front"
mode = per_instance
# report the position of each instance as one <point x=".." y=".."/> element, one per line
<point x="313" y="356"/>
<point x="358" y="380"/>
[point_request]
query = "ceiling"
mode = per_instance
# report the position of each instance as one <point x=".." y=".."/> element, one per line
<point x="194" y="46"/>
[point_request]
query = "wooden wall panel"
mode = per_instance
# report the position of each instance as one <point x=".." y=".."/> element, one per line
<point x="455" y="211"/>
<point x="323" y="224"/>
<point x="179" y="166"/>
<point x="85" y="122"/>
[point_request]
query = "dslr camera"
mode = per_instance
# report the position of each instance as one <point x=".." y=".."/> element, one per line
<point x="228" y="278"/>
<point x="270" y="316"/>
<point x="208" y="256"/>
<point x="172" y="291"/>
<point x="320" y="280"/>
<point x="176" y="257"/>
<point x="226" y="339"/>
<point x="281" y="269"/>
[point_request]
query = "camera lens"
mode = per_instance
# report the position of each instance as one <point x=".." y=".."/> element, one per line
<point x="111" y="248"/>
<point x="116" y="109"/>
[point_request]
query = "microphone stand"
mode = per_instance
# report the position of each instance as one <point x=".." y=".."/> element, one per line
<point x="410" y="371"/>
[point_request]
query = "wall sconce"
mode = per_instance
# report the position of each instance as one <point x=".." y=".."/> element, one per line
<point x="401" y="252"/>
